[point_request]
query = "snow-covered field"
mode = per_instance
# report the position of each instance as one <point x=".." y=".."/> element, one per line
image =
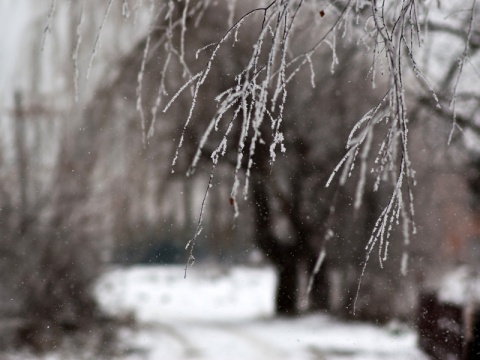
<point x="227" y="313"/>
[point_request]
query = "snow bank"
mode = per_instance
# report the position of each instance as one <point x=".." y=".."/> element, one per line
<point x="160" y="293"/>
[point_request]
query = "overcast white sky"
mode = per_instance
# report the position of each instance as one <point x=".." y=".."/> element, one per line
<point x="16" y="16"/>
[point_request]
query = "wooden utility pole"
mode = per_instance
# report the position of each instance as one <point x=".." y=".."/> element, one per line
<point x="21" y="161"/>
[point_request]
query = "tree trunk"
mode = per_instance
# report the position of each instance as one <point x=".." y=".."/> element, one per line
<point x="280" y="255"/>
<point x="287" y="288"/>
<point x="319" y="298"/>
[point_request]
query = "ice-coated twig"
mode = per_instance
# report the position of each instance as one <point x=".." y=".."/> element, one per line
<point x="141" y="73"/>
<point x="126" y="12"/>
<point x="461" y="65"/>
<point x="202" y="77"/>
<point x="77" y="49"/>
<point x="97" y="38"/>
<point x="48" y="26"/>
<point x="191" y="244"/>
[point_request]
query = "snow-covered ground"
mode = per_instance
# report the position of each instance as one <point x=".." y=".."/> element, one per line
<point x="227" y="313"/>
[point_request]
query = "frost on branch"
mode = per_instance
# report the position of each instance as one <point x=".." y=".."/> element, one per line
<point x="259" y="92"/>
<point x="48" y="26"/>
<point x="250" y="108"/>
<point x="394" y="30"/>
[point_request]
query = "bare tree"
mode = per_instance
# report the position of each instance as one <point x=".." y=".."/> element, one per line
<point x="393" y="32"/>
<point x="292" y="207"/>
<point x="236" y="91"/>
<point x="255" y="87"/>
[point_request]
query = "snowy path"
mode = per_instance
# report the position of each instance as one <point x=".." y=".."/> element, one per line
<point x="227" y="314"/>
<point x="201" y="341"/>
<point x="312" y="337"/>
